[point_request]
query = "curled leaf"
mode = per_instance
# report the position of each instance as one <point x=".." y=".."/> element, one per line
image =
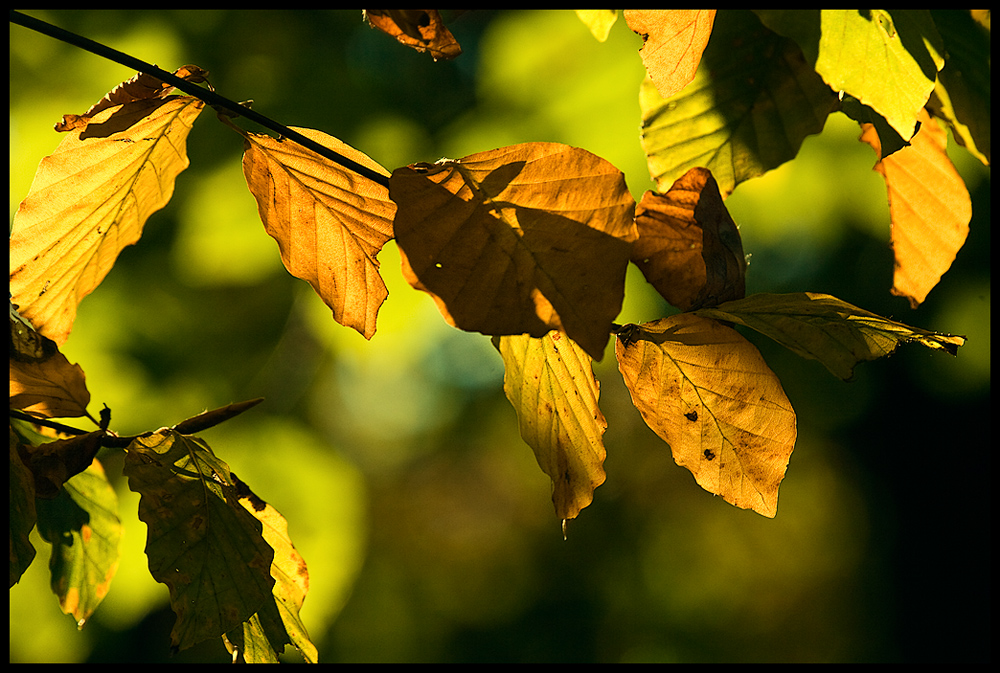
<point x="42" y="380"/>
<point x="53" y="463"/>
<point x="707" y="392"/>
<point x="421" y="29"/>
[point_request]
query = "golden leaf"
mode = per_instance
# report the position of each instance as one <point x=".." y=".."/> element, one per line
<point x="673" y="41"/>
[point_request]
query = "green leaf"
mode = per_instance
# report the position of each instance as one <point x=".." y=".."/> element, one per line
<point x="83" y="527"/>
<point x="822" y="327"/>
<point x="201" y="542"/>
<point x="751" y="104"/>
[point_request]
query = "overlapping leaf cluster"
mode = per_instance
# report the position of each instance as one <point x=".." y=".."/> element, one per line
<point x="528" y="244"/>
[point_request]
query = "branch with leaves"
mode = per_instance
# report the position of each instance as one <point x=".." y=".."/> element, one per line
<point x="528" y="244"/>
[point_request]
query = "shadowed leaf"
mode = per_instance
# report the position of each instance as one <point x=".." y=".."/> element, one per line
<point x="673" y="41"/>
<point x="551" y="384"/>
<point x="89" y="200"/>
<point x="707" y="392"/>
<point x="520" y="240"/>
<point x="822" y="327"/>
<point x="42" y="381"/>
<point x="421" y="29"/>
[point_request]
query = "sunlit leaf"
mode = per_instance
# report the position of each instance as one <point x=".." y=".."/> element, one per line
<point x="753" y="101"/>
<point x="42" y="381"/>
<point x="83" y="527"/>
<point x="689" y="248"/>
<point x="707" y="392"/>
<point x="673" y="41"/>
<point x="421" y="29"/>
<point x="822" y="327"/>
<point x="330" y="223"/>
<point x="929" y="206"/>
<point x="520" y="240"/>
<point x="200" y="541"/>
<point x="89" y="200"/>
<point x="599" y="21"/>
<point x="551" y="384"/>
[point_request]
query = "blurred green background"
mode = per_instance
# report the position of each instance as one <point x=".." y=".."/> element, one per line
<point x="425" y="521"/>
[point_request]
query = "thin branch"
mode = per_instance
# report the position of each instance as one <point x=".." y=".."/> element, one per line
<point x="209" y="97"/>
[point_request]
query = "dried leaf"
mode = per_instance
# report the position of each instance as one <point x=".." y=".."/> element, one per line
<point x="329" y="222"/>
<point x="53" y="463"/>
<point x="689" y="248"/>
<point x="822" y="327"/>
<point x="89" y="200"/>
<point x="201" y="542"/>
<point x="707" y="392"/>
<point x="520" y="240"/>
<point x="551" y="384"/>
<point x="672" y="43"/>
<point x="421" y="29"/>
<point x="42" y="381"/>
<point x="140" y="87"/>
<point x="929" y="206"/>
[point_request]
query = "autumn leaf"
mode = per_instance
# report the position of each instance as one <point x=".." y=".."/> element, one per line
<point x="42" y="381"/>
<point x="89" y="200"/>
<point x="83" y="527"/>
<point x="421" y="29"/>
<point x="824" y="328"/>
<point x="672" y="43"/>
<point x="330" y="223"/>
<point x="689" y="248"/>
<point x="707" y="392"/>
<point x="929" y="206"/>
<point x="519" y="240"/>
<point x="599" y="21"/>
<point x="53" y="463"/>
<point x="551" y="384"/>
<point x="201" y="542"/>
<point x="753" y="101"/>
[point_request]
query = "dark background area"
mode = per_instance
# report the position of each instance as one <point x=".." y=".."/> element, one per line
<point x="426" y="522"/>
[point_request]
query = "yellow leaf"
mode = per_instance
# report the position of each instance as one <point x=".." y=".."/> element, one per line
<point x="689" y="248"/>
<point x="673" y="42"/>
<point x="520" y="240"/>
<point x="929" y="207"/>
<point x="551" y="384"/>
<point x="89" y="200"/>
<point x="330" y="223"/>
<point x="42" y="380"/>
<point x="707" y="392"/>
<point x="599" y="21"/>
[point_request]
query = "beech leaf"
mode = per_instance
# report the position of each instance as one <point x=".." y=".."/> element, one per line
<point x="201" y="542"/>
<point x="421" y="29"/>
<point x="330" y="223"/>
<point x="520" y="240"/>
<point x="929" y="206"/>
<point x="53" y="463"/>
<point x="42" y="381"/>
<point x="551" y="384"/>
<point x="673" y="41"/>
<point x="689" y="248"/>
<point x="822" y="327"/>
<point x="89" y="200"/>
<point x="707" y="392"/>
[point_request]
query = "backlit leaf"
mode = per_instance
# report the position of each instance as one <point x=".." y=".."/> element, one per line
<point x="689" y="248"/>
<point x="673" y="41"/>
<point x="330" y="223"/>
<point x="753" y="101"/>
<point x="599" y="21"/>
<point x="201" y="542"/>
<point x="89" y="200"/>
<point x="822" y="327"/>
<point x="421" y="29"/>
<point x="707" y="392"/>
<point x="42" y="381"/>
<point x="551" y="384"/>
<point x="929" y="207"/>
<point x="520" y="240"/>
<point x="83" y="527"/>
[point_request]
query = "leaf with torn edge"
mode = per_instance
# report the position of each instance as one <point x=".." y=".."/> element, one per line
<point x="421" y="29"/>
<point x="89" y="200"/>
<point x="520" y="240"/>
<point x="822" y="327"/>
<point x="330" y="223"/>
<point x="673" y="41"/>
<point x="551" y="384"/>
<point x="707" y="392"/>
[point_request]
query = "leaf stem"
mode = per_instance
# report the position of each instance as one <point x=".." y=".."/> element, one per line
<point x="209" y="97"/>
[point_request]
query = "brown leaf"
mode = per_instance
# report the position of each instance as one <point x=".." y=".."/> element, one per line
<point x="140" y="87"/>
<point x="519" y="240"/>
<point x="53" y="463"/>
<point x="707" y="392"/>
<point x="329" y="222"/>
<point x="929" y="206"/>
<point x="421" y="29"/>
<point x="689" y="248"/>
<point x="42" y="380"/>
<point x="673" y="41"/>
<point x="89" y="200"/>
